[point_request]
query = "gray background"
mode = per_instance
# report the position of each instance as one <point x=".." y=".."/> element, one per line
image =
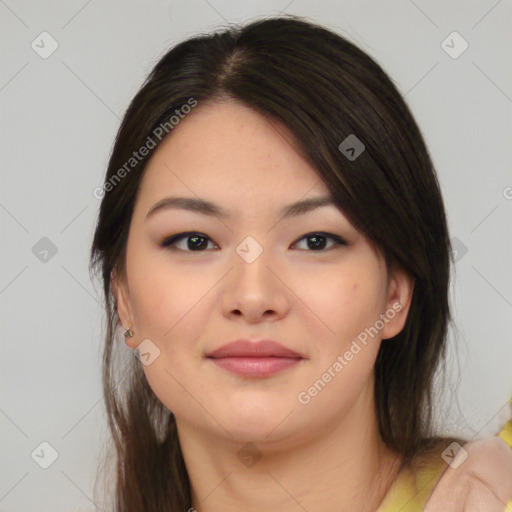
<point x="59" y="118"/>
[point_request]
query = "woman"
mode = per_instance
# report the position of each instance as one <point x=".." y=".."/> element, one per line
<point x="272" y="240"/>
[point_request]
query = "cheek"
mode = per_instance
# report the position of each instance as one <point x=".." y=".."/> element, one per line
<point x="162" y="293"/>
<point x="348" y="302"/>
<point x="170" y="308"/>
<point x="173" y="304"/>
<point x="348" y="305"/>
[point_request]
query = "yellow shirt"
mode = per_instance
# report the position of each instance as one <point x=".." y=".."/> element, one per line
<point x="410" y="492"/>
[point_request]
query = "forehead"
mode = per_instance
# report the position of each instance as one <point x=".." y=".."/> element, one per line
<point x="230" y="152"/>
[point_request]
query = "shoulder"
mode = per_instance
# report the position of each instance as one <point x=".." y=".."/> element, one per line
<point x="453" y="473"/>
<point x="476" y="472"/>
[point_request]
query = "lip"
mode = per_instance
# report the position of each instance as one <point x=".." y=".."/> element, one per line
<point x="254" y="358"/>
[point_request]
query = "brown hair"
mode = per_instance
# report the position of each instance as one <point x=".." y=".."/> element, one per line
<point x="323" y="89"/>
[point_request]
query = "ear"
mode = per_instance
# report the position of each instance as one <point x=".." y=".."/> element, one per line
<point x="122" y="300"/>
<point x="400" y="290"/>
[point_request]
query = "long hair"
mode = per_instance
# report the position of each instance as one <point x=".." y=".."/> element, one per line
<point x="326" y="91"/>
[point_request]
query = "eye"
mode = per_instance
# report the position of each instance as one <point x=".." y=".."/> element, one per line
<point x="196" y="241"/>
<point x="318" y="240"/>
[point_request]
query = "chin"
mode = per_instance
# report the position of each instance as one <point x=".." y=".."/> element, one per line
<point x="258" y="424"/>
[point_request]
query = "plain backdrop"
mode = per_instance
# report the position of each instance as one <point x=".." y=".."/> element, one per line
<point x="59" y="115"/>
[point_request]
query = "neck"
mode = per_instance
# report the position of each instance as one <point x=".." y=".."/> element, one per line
<point x="344" y="466"/>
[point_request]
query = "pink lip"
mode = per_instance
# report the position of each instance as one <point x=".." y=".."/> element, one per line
<point x="254" y="359"/>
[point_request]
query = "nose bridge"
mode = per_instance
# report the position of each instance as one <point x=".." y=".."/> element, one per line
<point x="251" y="260"/>
<point x="253" y="289"/>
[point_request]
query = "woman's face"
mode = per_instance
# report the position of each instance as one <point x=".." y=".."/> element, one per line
<point x="253" y="275"/>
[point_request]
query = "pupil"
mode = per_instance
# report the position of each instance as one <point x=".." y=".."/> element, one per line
<point x="320" y="242"/>
<point x="193" y="245"/>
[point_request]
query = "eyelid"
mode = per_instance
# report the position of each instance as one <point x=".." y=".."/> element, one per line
<point x="169" y="241"/>
<point x="337" y="238"/>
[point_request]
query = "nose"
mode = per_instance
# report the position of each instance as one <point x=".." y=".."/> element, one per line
<point x="255" y="289"/>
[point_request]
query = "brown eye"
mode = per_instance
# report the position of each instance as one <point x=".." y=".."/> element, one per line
<point x="317" y="241"/>
<point x="193" y="242"/>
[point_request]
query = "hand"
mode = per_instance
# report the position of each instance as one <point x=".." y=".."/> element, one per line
<point x="482" y="483"/>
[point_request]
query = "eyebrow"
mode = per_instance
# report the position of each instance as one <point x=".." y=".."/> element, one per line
<point x="208" y="208"/>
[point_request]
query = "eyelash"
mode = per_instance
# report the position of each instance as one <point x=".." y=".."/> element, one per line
<point x="168" y="242"/>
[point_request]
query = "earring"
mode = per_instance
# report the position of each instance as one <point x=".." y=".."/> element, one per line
<point x="128" y="333"/>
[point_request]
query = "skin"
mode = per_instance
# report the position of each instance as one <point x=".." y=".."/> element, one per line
<point x="482" y="483"/>
<point x="323" y="455"/>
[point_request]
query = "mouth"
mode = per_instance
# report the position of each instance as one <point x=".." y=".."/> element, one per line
<point x="255" y="359"/>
